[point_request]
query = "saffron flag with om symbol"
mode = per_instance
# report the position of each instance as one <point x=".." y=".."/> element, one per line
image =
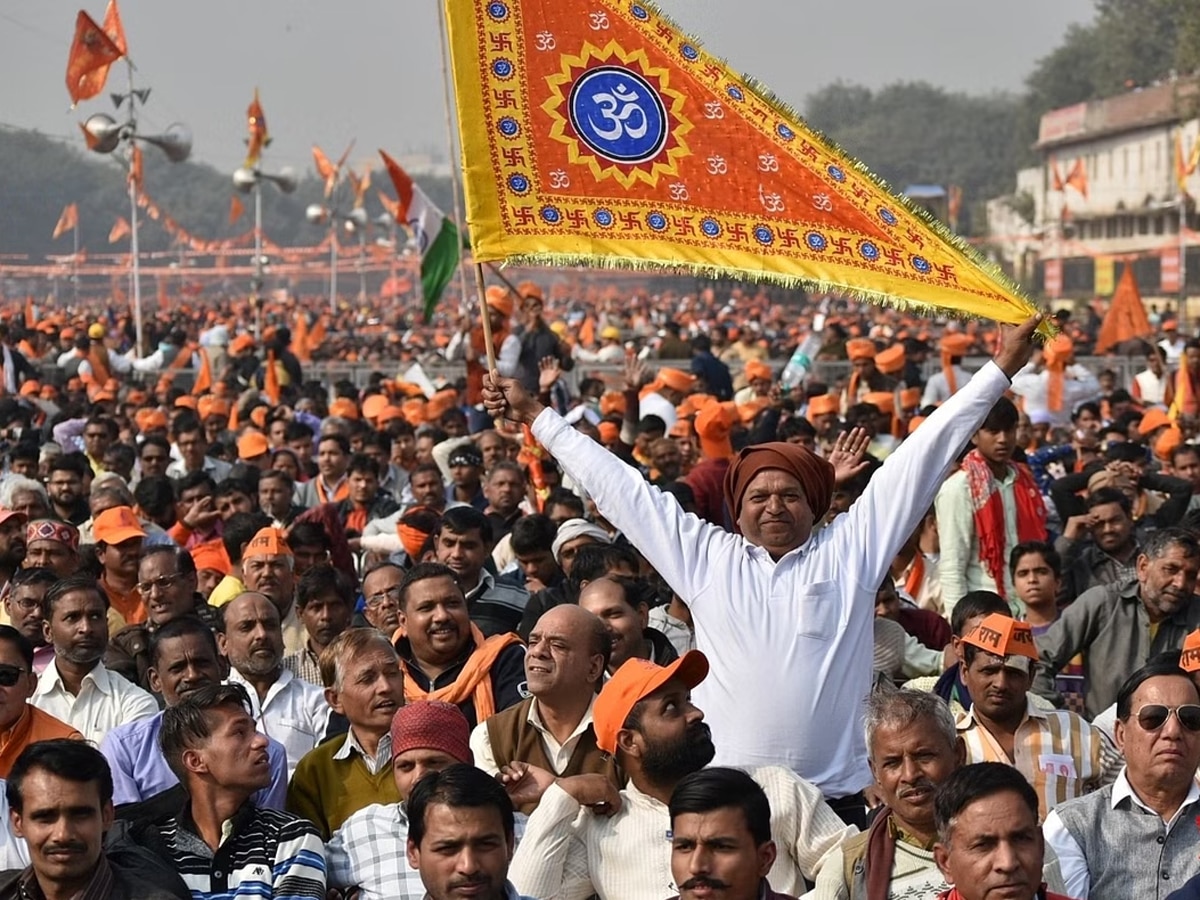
<point x="598" y="134"/>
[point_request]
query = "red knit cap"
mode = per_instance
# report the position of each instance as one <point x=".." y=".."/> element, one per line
<point x="432" y="725"/>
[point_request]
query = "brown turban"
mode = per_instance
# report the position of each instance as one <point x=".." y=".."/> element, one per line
<point x="814" y="473"/>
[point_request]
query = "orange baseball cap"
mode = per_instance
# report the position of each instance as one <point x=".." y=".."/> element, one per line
<point x="268" y="542"/>
<point x="634" y="681"/>
<point x="1004" y="636"/>
<point x="211" y="555"/>
<point x="116" y="525"/>
<point x="252" y="444"/>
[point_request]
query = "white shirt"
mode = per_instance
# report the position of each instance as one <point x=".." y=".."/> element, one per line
<point x="1079" y="386"/>
<point x="294" y="713"/>
<point x="959" y="567"/>
<point x="656" y="404"/>
<point x="217" y="468"/>
<point x="105" y="701"/>
<point x="570" y="853"/>
<point x="14" y="852"/>
<point x="559" y="755"/>
<point x="789" y="642"/>
<point x="1072" y="862"/>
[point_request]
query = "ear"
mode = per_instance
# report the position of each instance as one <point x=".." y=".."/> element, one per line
<point x="334" y="699"/>
<point x="414" y="856"/>
<point x="941" y="856"/>
<point x="960" y="751"/>
<point x="14" y="819"/>
<point x="596" y="670"/>
<point x="155" y="681"/>
<point x="1119" y="735"/>
<point x="643" y="612"/>
<point x="107" y="815"/>
<point x="47" y="635"/>
<point x="222" y="644"/>
<point x="766" y="858"/>
<point x="629" y="742"/>
<point x="193" y="761"/>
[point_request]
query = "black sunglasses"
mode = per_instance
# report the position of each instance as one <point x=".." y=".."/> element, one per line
<point x="10" y="675"/>
<point x="1153" y="716"/>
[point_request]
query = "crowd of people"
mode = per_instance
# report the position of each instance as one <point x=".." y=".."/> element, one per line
<point x="716" y="629"/>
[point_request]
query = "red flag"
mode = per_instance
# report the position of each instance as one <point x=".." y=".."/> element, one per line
<point x="257" y="123"/>
<point x="92" y="52"/>
<point x="235" y="209"/>
<point x="67" y="220"/>
<point x="119" y="230"/>
<point x="135" y="169"/>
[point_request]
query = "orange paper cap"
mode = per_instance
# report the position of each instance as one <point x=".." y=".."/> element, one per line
<point x="1153" y="419"/>
<point x="891" y="360"/>
<point x="390" y="412"/>
<point x="676" y="379"/>
<point x="344" y="407"/>
<point x="252" y="444"/>
<point x="884" y="401"/>
<point x="910" y="398"/>
<point x="822" y="405"/>
<point x="211" y="555"/>
<point x="372" y="406"/>
<point x="499" y="299"/>
<point x="756" y="371"/>
<point x="1189" y="660"/>
<point x="268" y="542"/>
<point x="860" y="348"/>
<point x="1004" y="636"/>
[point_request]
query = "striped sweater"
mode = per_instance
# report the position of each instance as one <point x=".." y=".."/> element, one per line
<point x="263" y="853"/>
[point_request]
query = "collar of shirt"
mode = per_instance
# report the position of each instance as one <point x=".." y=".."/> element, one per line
<point x="383" y="753"/>
<point x="486" y="581"/>
<point x="229" y="827"/>
<point x="1122" y="790"/>
<point x="899" y="834"/>
<point x="534" y="718"/>
<point x="967" y="720"/>
<point x="98" y="888"/>
<point x="281" y="683"/>
<point x="51" y="680"/>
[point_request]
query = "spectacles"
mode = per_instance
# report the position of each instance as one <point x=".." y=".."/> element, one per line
<point x="25" y="604"/>
<point x="1153" y="716"/>
<point x="390" y="596"/>
<point x="10" y="675"/>
<point x="162" y="582"/>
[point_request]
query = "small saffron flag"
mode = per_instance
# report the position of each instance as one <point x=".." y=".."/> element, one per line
<point x="435" y="235"/>
<point x="602" y="135"/>
<point x="235" y="209"/>
<point x="256" y="122"/>
<point x="119" y="230"/>
<point x="93" y="51"/>
<point x="67" y="219"/>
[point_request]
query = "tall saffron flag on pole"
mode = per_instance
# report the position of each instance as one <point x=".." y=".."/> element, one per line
<point x="602" y="135"/>
<point x="1126" y="318"/>
<point x="435" y="235"/>
<point x="67" y="219"/>
<point x="256" y="122"/>
<point x="93" y="51"/>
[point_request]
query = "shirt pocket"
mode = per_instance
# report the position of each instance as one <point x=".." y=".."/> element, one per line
<point x="817" y="610"/>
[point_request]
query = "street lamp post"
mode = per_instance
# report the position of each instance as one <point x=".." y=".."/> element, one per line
<point x="104" y="134"/>
<point x="355" y="220"/>
<point x="247" y="179"/>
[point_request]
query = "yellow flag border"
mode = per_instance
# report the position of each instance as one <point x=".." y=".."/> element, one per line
<point x="485" y="210"/>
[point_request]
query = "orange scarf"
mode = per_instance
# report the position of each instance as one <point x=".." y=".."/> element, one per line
<point x="1184" y="402"/>
<point x="98" y="359"/>
<point x="916" y="575"/>
<point x="342" y="492"/>
<point x="474" y="682"/>
<point x="356" y="519"/>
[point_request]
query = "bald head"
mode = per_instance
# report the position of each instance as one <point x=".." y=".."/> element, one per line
<point x="568" y="652"/>
<point x="251" y="636"/>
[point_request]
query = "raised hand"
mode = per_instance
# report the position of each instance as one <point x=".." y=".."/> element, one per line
<point x="1016" y="345"/>
<point x="549" y="370"/>
<point x="847" y="454"/>
<point x="634" y="372"/>
<point x="506" y="398"/>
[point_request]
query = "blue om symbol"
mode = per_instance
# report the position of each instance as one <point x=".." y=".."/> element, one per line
<point x="618" y="115"/>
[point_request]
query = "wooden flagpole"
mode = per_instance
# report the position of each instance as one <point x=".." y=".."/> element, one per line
<point x="455" y="163"/>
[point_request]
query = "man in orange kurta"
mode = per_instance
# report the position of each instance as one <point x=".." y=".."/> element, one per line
<point x="20" y="723"/>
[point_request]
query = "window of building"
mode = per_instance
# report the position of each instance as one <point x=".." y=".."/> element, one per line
<point x="1126" y="226"/>
<point x="1143" y="224"/>
<point x="1159" y="224"/>
<point x="1110" y="227"/>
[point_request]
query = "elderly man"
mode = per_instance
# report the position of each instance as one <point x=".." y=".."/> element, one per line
<point x="167" y="585"/>
<point x="721" y="837"/>
<point x="220" y="838"/>
<point x="76" y="687"/>
<point x="623" y="606"/>
<point x="286" y="708"/>
<point x="369" y="850"/>
<point x="1059" y="752"/>
<point x="268" y="568"/>
<point x="363" y="683"/>
<point x="1151" y="808"/>
<point x="183" y="659"/>
<point x="1117" y="627"/>
<point x="23" y="603"/>
<point x="381" y="595"/>
<point x="805" y="602"/>
<point x="989" y="843"/>
<point x="445" y="656"/>
<point x="462" y="808"/>
<point x="645" y="719"/>
<point x="325" y="600"/>
<point x="20" y="723"/>
<point x="552" y="729"/>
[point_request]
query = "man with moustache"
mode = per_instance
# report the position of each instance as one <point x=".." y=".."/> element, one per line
<point x="585" y="838"/>
<point x="23" y="603"/>
<point x="12" y="544"/>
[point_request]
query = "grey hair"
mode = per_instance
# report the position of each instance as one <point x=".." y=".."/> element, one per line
<point x="347" y="645"/>
<point x="11" y="485"/>
<point x="112" y="486"/>
<point x="1161" y="540"/>
<point x="901" y="708"/>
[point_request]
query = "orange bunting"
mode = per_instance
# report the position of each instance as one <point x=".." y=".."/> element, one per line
<point x="68" y="219"/>
<point x="316" y="336"/>
<point x="360" y="184"/>
<point x="119" y="230"/>
<point x="1078" y="179"/>
<point x="93" y="51"/>
<point x="327" y="170"/>
<point x="256" y="121"/>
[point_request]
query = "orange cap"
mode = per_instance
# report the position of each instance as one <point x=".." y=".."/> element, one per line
<point x="252" y="444"/>
<point x="116" y="525"/>
<point x="268" y="542"/>
<point x="955" y="343"/>
<point x="1002" y="635"/>
<point x="675" y="379"/>
<point x="388" y="413"/>
<point x="884" y="401"/>
<point x="609" y="432"/>
<point x="373" y="405"/>
<point x="211" y="555"/>
<point x="187" y="400"/>
<point x="860" y="348"/>
<point x="208" y="405"/>
<point x="891" y="360"/>
<point x="749" y="410"/>
<point x="344" y="407"/>
<point x="756" y="370"/>
<point x="1167" y="442"/>
<point x="634" y="681"/>
<point x="910" y="398"/>
<point x="822" y="405"/>
<point x="1153" y="420"/>
<point x="440" y="403"/>
<point x="499" y="299"/>
<point x="530" y="289"/>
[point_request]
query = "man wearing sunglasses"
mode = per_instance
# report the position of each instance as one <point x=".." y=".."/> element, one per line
<point x="1137" y="837"/>
<point x="20" y="723"/>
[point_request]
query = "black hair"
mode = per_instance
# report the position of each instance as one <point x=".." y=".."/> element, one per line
<point x="464" y="519"/>
<point x="185" y="626"/>
<point x="717" y="787"/>
<point x="796" y="426"/>
<point x="154" y="440"/>
<point x="230" y="486"/>
<point x="1003" y="416"/>
<point x="378" y="440"/>
<point x="651" y="424"/>
<point x="126" y="454"/>
<point x="184" y="564"/>
<point x="1126" y="451"/>
<point x="75" y="761"/>
<point x="239" y="529"/>
<point x="1163" y="664"/>
<point x="1106" y="495"/>
<point x="423" y="468"/>
<point x="279" y="474"/>
<point x="34" y="575"/>
<point x="565" y="497"/>
<point x="594" y="561"/>
<point x="187" y="423"/>
<point x="188" y="722"/>
<point x="340" y="439"/>
<point x="155" y="495"/>
<point x="18" y="640"/>
<point x="683" y="494"/>
<point x="194" y="480"/>
<point x="309" y="534"/>
<point x="1043" y="548"/>
<point x="64" y="586"/>
<point x="1120" y="395"/>
<point x="297" y="431"/>
<point x="531" y="534"/>
<point x="975" y="782"/>
<point x="324" y="579"/>
<point x="25" y="450"/>
<point x="976" y="603"/>
<point x="457" y="786"/>
<point x="362" y="464"/>
<point x="424" y="572"/>
<point x="1161" y="540"/>
<point x="69" y="462"/>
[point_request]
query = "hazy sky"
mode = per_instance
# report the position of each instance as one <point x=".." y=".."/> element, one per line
<point x="332" y="70"/>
